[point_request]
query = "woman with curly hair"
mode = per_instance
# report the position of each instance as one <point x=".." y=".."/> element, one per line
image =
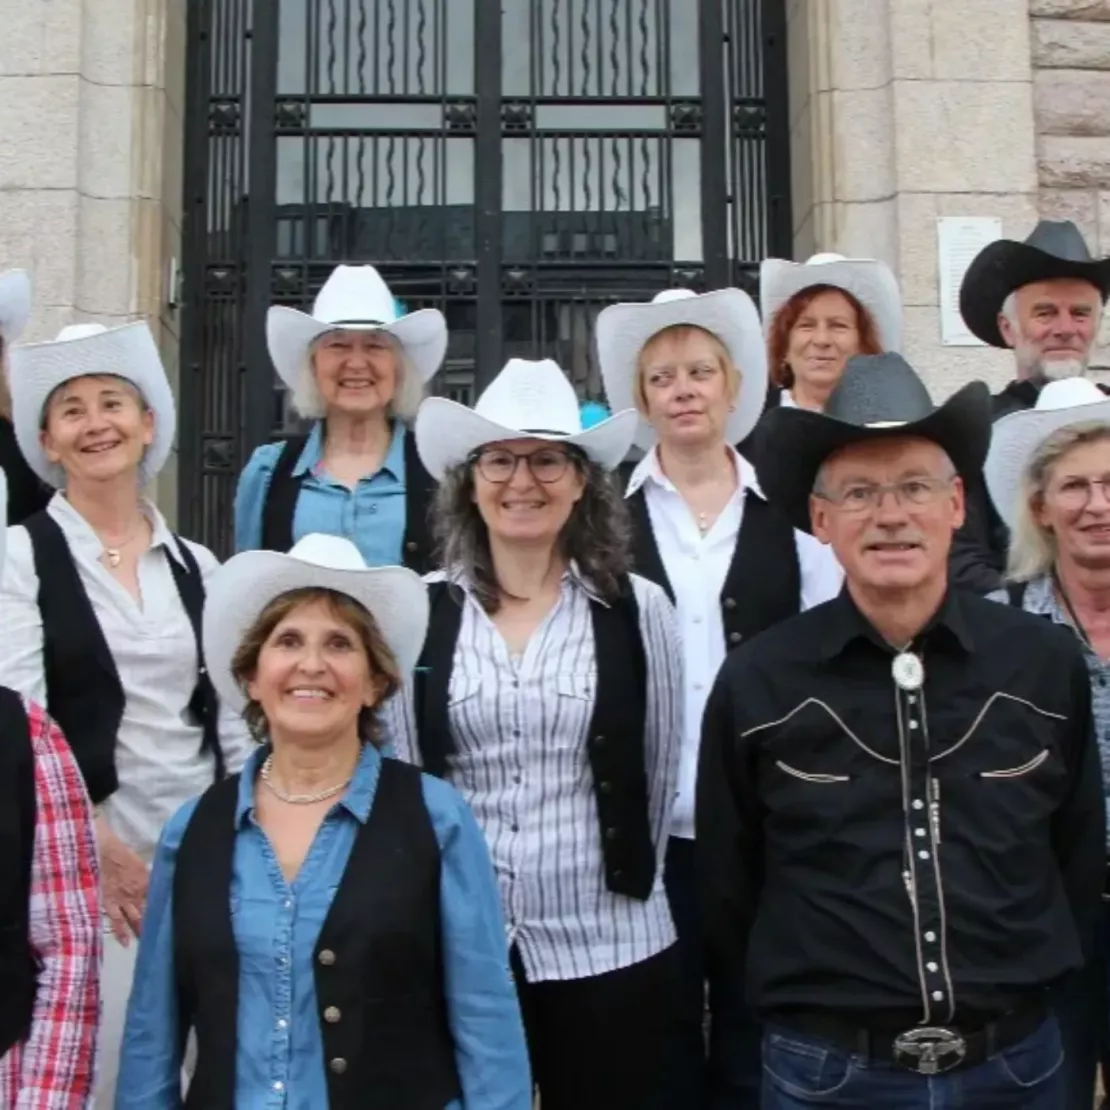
<point x="549" y="693"/>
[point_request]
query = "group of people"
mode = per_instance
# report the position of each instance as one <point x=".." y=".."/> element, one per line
<point x="741" y="746"/>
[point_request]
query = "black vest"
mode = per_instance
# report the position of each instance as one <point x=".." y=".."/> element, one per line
<point x="377" y="962"/>
<point x="18" y="966"/>
<point x="764" y="582"/>
<point x="285" y="488"/>
<point x="615" y="743"/>
<point x="83" y="690"/>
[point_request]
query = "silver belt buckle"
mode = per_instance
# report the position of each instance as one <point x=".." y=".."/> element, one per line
<point x="929" y="1050"/>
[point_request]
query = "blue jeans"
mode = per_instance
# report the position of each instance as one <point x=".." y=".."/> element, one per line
<point x="800" y="1072"/>
<point x="721" y="1070"/>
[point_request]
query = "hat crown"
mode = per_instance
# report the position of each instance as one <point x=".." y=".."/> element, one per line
<point x="532" y="397"/>
<point x="356" y="295"/>
<point x="1068" y="393"/>
<point x="823" y="258"/>
<point x="879" y="389"/>
<point x="79" y="331"/>
<point x="332" y="552"/>
<point x="668" y="295"/>
<point x="1060" y="238"/>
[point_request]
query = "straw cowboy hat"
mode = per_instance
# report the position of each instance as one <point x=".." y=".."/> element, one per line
<point x="878" y="397"/>
<point x="527" y="400"/>
<point x="15" y="304"/>
<point x="1016" y="437"/>
<point x="867" y="279"/>
<point x="624" y="329"/>
<point x="241" y="589"/>
<point x="354" y="298"/>
<point x="1053" y="249"/>
<point x="90" y="350"/>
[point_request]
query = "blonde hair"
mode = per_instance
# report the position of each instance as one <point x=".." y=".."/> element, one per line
<point x="679" y="333"/>
<point x="1033" y="548"/>
<point x="408" y="390"/>
<point x="5" y="387"/>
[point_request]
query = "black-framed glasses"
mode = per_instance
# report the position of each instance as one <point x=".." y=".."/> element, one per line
<point x="498" y="464"/>
<point x="866" y="497"/>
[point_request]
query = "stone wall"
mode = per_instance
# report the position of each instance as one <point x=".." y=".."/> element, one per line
<point x="1071" y="95"/>
<point x="90" y="161"/>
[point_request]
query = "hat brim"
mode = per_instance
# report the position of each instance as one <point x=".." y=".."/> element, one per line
<point x="15" y="304"/>
<point x="1006" y="265"/>
<point x="291" y="333"/>
<point x="447" y="433"/>
<point x="866" y="279"/>
<point x="794" y="442"/>
<point x="240" y="590"/>
<point x="1014" y="440"/>
<point x="729" y="314"/>
<point x="128" y="352"/>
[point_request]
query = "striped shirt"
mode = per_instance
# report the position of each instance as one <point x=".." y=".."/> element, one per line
<point x="520" y="726"/>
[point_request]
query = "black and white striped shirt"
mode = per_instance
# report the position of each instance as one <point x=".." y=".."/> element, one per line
<point x="520" y="726"/>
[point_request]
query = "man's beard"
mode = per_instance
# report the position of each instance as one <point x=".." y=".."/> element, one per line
<point x="1056" y="369"/>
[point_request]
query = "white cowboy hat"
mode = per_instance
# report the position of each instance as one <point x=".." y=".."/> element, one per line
<point x="15" y="304"/>
<point x="867" y="279"/>
<point x="729" y="314"/>
<point x="241" y="589"/>
<point x="1016" y="437"/>
<point x="527" y="400"/>
<point x="354" y="298"/>
<point x="82" y="350"/>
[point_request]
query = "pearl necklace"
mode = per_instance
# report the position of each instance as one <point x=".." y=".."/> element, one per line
<point x="298" y="799"/>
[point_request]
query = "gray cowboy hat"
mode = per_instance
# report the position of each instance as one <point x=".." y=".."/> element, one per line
<point x="1053" y="249"/>
<point x="877" y="397"/>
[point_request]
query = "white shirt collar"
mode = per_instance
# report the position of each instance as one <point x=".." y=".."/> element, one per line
<point x="572" y="576"/>
<point x="81" y="534"/>
<point x="648" y="468"/>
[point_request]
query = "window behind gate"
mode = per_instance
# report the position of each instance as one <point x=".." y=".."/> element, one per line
<point x="518" y="164"/>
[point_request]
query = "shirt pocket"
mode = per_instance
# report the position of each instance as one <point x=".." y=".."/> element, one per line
<point x="577" y="686"/>
<point x="463" y="688"/>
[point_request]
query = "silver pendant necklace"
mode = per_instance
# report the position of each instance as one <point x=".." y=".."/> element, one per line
<point x="298" y="799"/>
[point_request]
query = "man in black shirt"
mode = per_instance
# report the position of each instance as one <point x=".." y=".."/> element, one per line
<point x="899" y="810"/>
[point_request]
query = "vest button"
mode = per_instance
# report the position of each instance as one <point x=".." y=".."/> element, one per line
<point x="610" y="833"/>
<point x="729" y="603"/>
<point x="410" y="545"/>
<point x="599" y="741"/>
<point x="605" y="787"/>
<point x="332" y="1015"/>
<point x="734" y="637"/>
<point x="338" y="1065"/>
<point x="326" y="957"/>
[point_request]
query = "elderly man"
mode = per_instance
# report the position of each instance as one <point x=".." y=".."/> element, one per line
<point x="1043" y="299"/>
<point x="899" y="808"/>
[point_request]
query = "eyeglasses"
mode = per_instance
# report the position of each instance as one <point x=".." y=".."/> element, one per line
<point x="498" y="464"/>
<point x="866" y="498"/>
<point x="1076" y="493"/>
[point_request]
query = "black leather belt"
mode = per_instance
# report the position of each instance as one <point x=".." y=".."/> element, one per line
<point x="925" y="1049"/>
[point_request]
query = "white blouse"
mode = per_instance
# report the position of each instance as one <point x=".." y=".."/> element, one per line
<point x="158" y="758"/>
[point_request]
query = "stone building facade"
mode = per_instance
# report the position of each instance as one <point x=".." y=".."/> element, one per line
<point x="901" y="111"/>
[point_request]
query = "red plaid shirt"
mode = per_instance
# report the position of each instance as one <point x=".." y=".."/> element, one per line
<point x="53" y="1068"/>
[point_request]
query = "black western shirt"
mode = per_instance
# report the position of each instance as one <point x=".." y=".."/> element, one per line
<point x="928" y="856"/>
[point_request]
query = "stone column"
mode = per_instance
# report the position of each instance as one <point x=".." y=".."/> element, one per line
<point x="904" y="111"/>
<point x="1071" y="95"/>
<point x="90" y="161"/>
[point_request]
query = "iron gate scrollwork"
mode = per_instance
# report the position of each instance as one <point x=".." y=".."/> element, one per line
<point x="518" y="164"/>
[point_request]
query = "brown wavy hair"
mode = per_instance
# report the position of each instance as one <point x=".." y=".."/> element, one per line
<point x="244" y="663"/>
<point x="596" y="536"/>
<point x="782" y="324"/>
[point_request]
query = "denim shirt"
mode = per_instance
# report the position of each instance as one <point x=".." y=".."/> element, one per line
<point x="280" y="1057"/>
<point x="372" y="515"/>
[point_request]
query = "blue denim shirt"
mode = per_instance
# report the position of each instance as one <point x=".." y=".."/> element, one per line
<point x="280" y="1058"/>
<point x="372" y="515"/>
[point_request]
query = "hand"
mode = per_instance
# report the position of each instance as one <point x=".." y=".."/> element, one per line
<point x="123" y="884"/>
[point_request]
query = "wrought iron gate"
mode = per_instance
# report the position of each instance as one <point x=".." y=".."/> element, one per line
<point x="518" y="164"/>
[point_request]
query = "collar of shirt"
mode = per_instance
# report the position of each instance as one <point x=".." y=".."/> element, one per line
<point x="845" y="625"/>
<point x="356" y="799"/>
<point x="312" y="456"/>
<point x="648" y="468"/>
<point x="572" y="577"/>
<point x="83" y="539"/>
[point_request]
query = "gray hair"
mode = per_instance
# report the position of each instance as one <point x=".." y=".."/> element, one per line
<point x="1033" y="548"/>
<point x="1009" y="310"/>
<point x="596" y="536"/>
<point x="408" y="391"/>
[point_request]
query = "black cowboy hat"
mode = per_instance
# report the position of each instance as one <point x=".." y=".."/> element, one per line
<point x="1054" y="249"/>
<point x="877" y="397"/>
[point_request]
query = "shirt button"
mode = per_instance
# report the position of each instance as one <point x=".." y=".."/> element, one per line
<point x="326" y="957"/>
<point x="913" y="724"/>
<point x="514" y="827"/>
<point x="283" y="961"/>
<point x="279" y="1086"/>
<point x="919" y="832"/>
<point x="288" y="903"/>
<point x="931" y="937"/>
<point x="918" y="803"/>
<point x="282" y="1023"/>
<point x="938" y="996"/>
<point x="338" y="1065"/>
<point x="922" y="855"/>
<point x="372" y="509"/>
<point x="932" y="966"/>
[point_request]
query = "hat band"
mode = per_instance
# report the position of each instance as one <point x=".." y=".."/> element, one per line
<point x="346" y="323"/>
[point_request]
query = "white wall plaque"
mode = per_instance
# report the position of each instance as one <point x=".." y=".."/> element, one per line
<point x="959" y="240"/>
